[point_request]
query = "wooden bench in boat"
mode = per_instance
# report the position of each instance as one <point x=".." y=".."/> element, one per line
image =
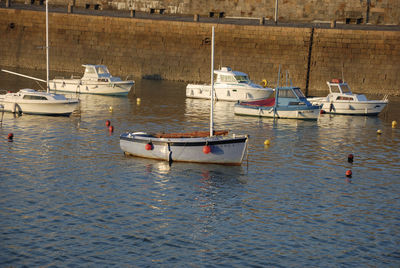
<point x="194" y="134"/>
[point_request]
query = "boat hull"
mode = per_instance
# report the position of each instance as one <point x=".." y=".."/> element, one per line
<point x="350" y="107"/>
<point x="311" y="113"/>
<point x="61" y="108"/>
<point x="119" y="88"/>
<point x="228" y="93"/>
<point x="223" y="150"/>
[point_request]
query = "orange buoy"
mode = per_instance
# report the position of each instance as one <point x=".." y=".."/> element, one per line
<point x="321" y="111"/>
<point x="349" y="173"/>
<point x="108" y="123"/>
<point x="111" y="129"/>
<point x="350" y="158"/>
<point x="148" y="146"/>
<point x="206" y="149"/>
<point x="10" y="137"/>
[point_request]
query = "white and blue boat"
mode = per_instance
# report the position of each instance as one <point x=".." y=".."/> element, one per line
<point x="289" y="102"/>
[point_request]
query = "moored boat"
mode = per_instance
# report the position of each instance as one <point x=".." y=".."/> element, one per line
<point x="96" y="80"/>
<point x="288" y="103"/>
<point x="216" y="147"/>
<point x="229" y="86"/>
<point x="341" y="100"/>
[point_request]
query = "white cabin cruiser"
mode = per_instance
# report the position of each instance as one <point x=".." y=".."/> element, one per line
<point x="289" y="102"/>
<point x="96" y="80"/>
<point x="342" y="101"/>
<point x="229" y="86"/>
<point x="30" y="101"/>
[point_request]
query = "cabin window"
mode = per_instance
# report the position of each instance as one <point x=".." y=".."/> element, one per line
<point x="284" y="93"/>
<point x="102" y="70"/>
<point x="299" y="92"/>
<point x="34" y="97"/>
<point x="90" y="70"/>
<point x="346" y="89"/>
<point x="335" y="89"/>
<point x="344" y="98"/>
<point x="227" y="78"/>
<point x="242" y="78"/>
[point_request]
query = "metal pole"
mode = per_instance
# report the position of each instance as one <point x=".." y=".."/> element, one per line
<point x="212" y="86"/>
<point x="276" y="11"/>
<point x="47" y="46"/>
<point x="277" y="91"/>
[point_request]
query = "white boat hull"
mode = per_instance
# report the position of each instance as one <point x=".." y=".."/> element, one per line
<point x="91" y="87"/>
<point x="223" y="150"/>
<point x="372" y="107"/>
<point x="289" y="113"/>
<point x="32" y="107"/>
<point x="227" y="93"/>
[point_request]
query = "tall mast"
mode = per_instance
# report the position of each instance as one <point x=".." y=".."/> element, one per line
<point x="212" y="86"/>
<point x="47" y="45"/>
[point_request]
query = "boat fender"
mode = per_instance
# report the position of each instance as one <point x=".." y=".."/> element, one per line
<point x="264" y="83"/>
<point x="331" y="107"/>
<point x="206" y="149"/>
<point x="148" y="146"/>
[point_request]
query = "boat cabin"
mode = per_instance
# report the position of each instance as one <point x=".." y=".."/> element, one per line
<point x="288" y="96"/>
<point x="340" y="91"/>
<point x="226" y="76"/>
<point x="98" y="73"/>
<point x="31" y="94"/>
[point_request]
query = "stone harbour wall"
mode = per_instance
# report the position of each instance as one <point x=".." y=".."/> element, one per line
<point x="180" y="51"/>
<point x="352" y="11"/>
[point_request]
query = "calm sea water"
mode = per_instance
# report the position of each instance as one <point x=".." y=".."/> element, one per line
<point x="69" y="197"/>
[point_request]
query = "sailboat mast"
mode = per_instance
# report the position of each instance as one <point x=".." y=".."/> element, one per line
<point x="212" y="86"/>
<point x="47" y="46"/>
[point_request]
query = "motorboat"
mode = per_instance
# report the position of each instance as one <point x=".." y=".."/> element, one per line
<point x="229" y="86"/>
<point x="216" y="147"/>
<point x="341" y="100"/>
<point x="95" y="80"/>
<point x="30" y="101"/>
<point x="289" y="102"/>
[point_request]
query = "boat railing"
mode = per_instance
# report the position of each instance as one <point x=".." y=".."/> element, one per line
<point x="129" y="77"/>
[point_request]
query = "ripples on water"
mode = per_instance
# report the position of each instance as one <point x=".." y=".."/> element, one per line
<point x="69" y="197"/>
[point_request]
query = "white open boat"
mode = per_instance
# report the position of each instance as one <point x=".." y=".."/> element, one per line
<point x="216" y="147"/>
<point x="289" y="102"/>
<point x="96" y="80"/>
<point x="30" y="101"/>
<point x="229" y="86"/>
<point x="342" y="101"/>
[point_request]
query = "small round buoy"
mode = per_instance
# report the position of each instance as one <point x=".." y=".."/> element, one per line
<point x="394" y="123"/>
<point x="10" y="137"/>
<point x="111" y="129"/>
<point x="266" y="142"/>
<point x="108" y="123"/>
<point x="138" y="100"/>
<point x="148" y="146"/>
<point x="206" y="149"/>
<point x="110" y="109"/>
<point x="379" y="132"/>
<point x="350" y="158"/>
<point x="349" y="173"/>
<point x="322" y="112"/>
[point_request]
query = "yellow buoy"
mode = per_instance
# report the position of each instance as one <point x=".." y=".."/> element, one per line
<point x="138" y="100"/>
<point x="266" y="142"/>
<point x="379" y="132"/>
<point x="110" y="109"/>
<point x="264" y="83"/>
<point x="394" y="123"/>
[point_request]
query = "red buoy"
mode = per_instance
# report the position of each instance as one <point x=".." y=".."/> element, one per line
<point x="10" y="137"/>
<point x="148" y="146"/>
<point x="321" y="112"/>
<point x="108" y="123"/>
<point x="206" y="149"/>
<point x="349" y="173"/>
<point x="350" y="158"/>
<point x="111" y="129"/>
